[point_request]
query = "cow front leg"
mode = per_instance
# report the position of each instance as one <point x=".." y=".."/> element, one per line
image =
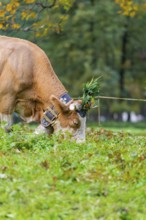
<point x="7" y="104"/>
<point x="6" y="121"/>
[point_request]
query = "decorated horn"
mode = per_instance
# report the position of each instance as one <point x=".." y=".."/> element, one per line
<point x="84" y="104"/>
<point x="90" y="90"/>
<point x="75" y="106"/>
<point x="72" y="107"/>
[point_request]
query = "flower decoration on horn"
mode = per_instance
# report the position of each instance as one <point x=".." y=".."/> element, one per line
<point x="90" y="91"/>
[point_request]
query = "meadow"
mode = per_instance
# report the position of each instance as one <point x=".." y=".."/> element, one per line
<point x="56" y="179"/>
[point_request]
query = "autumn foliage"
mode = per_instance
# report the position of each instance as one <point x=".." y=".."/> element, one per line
<point x="131" y="7"/>
<point x="33" y="14"/>
<point x="43" y="16"/>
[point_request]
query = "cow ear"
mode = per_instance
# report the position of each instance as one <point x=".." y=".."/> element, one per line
<point x="59" y="106"/>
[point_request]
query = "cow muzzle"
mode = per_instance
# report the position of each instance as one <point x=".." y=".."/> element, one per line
<point x="80" y="134"/>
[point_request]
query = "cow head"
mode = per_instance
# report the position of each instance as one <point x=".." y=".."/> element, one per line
<point x="67" y="118"/>
<point x="66" y="114"/>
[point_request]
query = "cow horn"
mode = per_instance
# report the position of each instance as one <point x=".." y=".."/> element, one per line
<point x="75" y="106"/>
<point x="72" y="106"/>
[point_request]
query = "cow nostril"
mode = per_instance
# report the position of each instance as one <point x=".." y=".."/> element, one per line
<point x="75" y="121"/>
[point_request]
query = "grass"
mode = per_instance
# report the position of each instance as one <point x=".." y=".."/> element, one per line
<point x="138" y="128"/>
<point x="51" y="179"/>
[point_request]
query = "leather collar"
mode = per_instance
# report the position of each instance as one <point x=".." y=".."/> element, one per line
<point x="51" y="114"/>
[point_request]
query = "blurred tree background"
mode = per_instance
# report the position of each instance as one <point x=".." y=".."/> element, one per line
<point x="86" y="39"/>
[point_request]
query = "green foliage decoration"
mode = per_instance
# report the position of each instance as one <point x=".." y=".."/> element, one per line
<point x="90" y="91"/>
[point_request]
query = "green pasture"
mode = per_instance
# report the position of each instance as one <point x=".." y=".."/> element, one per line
<point x="138" y="128"/>
<point x="57" y="179"/>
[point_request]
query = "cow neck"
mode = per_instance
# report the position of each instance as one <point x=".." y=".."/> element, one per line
<point x="51" y="114"/>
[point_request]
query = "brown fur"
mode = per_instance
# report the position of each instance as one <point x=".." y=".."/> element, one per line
<point x="66" y="117"/>
<point x="27" y="81"/>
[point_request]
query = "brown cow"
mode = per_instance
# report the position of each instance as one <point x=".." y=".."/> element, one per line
<point x="29" y="86"/>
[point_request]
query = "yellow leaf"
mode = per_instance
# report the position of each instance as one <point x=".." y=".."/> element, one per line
<point x="8" y="7"/>
<point x="27" y="15"/>
<point x="16" y="4"/>
<point x="135" y="7"/>
<point x="13" y="11"/>
<point x="1" y="26"/>
<point x="32" y="15"/>
<point x="132" y="13"/>
<point x="7" y="17"/>
<point x="2" y="13"/>
<point x="38" y="34"/>
<point x="23" y="15"/>
<point x="29" y="1"/>
<point x="15" y="26"/>
<point x="144" y="5"/>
